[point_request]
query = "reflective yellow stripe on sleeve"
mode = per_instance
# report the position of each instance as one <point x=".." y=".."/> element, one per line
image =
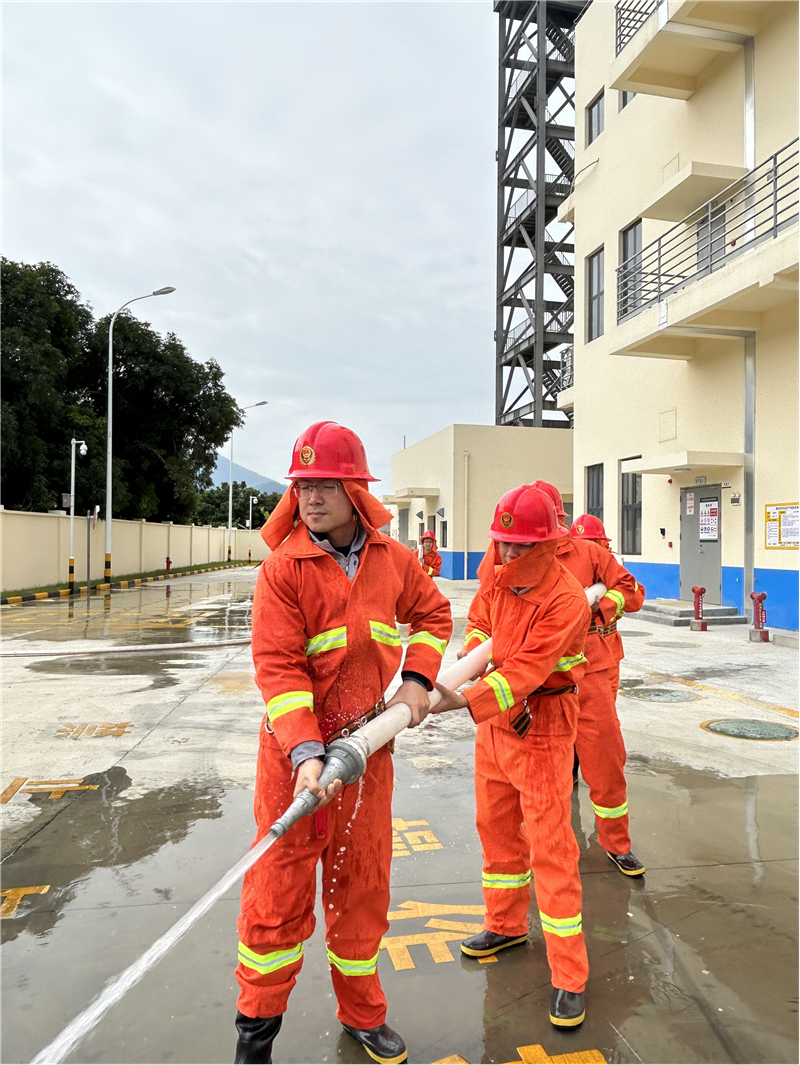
<point x="618" y="598"/>
<point x="430" y="640"/>
<point x="326" y="641"/>
<point x="475" y="634"/>
<point x="506" y="880"/>
<point x="354" y="966"/>
<point x="387" y="634"/>
<point x="502" y="690"/>
<point x="284" y="704"/>
<point x="609" y="811"/>
<point x="561" y="926"/>
<point x="563" y="664"/>
<point x="268" y="963"/>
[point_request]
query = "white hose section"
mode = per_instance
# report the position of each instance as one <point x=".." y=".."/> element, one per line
<point x="595" y="592"/>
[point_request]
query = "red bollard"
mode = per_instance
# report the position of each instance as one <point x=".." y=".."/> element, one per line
<point x="169" y="563"/>
<point x="759" y="632"/>
<point x="698" y="623"/>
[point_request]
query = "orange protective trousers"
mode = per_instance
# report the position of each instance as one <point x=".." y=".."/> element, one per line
<point x="601" y="753"/>
<point x="523" y="787"/>
<point x="352" y="837"/>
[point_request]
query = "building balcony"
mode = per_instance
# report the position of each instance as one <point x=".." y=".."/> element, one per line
<point x="668" y="47"/>
<point x="706" y="259"/>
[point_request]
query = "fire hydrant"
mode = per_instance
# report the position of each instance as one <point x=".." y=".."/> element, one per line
<point x="698" y="622"/>
<point x="759" y="632"/>
<point x="169" y="563"/>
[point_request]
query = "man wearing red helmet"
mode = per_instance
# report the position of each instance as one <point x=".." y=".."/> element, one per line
<point x="600" y="747"/>
<point x="526" y="708"/>
<point x="431" y="560"/>
<point x="325" y="648"/>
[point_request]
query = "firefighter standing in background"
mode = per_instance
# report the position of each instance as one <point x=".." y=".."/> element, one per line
<point x="526" y="710"/>
<point x="431" y="560"/>
<point x="325" y="647"/>
<point x="599" y="746"/>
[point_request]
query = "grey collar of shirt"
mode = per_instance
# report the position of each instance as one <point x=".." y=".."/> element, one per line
<point x="349" y="562"/>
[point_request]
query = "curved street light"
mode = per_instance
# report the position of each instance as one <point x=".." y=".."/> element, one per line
<point x="158" y="292"/>
<point x="263" y="403"/>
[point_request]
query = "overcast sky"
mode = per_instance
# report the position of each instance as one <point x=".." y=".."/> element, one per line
<point x="316" y="179"/>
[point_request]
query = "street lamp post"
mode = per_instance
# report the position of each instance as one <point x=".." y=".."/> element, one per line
<point x="158" y="292"/>
<point x="83" y="450"/>
<point x="253" y="499"/>
<point x="263" y="403"/>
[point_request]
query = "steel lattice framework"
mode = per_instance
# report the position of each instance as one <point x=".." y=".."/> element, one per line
<point x="535" y="168"/>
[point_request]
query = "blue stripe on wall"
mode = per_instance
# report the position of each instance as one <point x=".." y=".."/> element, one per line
<point x="453" y="564"/>
<point x="661" y="580"/>
<point x="782" y="596"/>
<point x="733" y="587"/>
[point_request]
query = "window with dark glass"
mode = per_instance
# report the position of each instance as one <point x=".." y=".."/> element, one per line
<point x="630" y="281"/>
<point x="631" y="540"/>
<point x="594" y="490"/>
<point x="443" y="534"/>
<point x="595" y="267"/>
<point x="421" y="530"/>
<point x="625" y="98"/>
<point x="595" y="118"/>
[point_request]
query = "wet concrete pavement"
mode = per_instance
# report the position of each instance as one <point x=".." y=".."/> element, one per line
<point x="695" y="962"/>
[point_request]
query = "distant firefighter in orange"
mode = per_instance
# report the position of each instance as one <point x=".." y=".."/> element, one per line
<point x="430" y="560"/>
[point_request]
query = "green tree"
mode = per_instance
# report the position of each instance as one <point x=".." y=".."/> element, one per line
<point x="171" y="412"/>
<point x="212" y="505"/>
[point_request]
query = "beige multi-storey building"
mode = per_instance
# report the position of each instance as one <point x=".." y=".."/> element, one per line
<point x="685" y="208"/>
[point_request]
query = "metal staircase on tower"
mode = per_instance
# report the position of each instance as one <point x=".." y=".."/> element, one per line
<point x="535" y="167"/>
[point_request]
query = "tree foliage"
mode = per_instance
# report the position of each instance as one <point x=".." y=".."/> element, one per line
<point x="171" y="413"/>
<point x="212" y="505"/>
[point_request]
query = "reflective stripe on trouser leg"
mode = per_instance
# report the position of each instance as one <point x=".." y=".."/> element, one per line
<point x="506" y="857"/>
<point x="601" y="750"/>
<point x="355" y="895"/>
<point x="539" y="767"/>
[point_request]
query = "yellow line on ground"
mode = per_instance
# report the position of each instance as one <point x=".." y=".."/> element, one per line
<point x="728" y="694"/>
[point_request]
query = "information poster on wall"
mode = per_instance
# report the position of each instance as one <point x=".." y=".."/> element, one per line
<point x="782" y="526"/>
<point x="709" y="519"/>
<point x="689" y="503"/>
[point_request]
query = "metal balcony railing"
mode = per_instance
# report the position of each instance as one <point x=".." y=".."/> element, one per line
<point x="631" y="15"/>
<point x="560" y="321"/>
<point x="754" y="208"/>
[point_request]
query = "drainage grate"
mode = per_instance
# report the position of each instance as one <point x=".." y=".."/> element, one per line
<point x="672" y="643"/>
<point x="660" y="695"/>
<point x="626" y="633"/>
<point x="750" y="729"/>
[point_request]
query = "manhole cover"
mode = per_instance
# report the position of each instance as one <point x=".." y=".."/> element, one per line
<point x="671" y="643"/>
<point x="660" y="695"/>
<point x="750" y="729"/>
<point x="626" y="633"/>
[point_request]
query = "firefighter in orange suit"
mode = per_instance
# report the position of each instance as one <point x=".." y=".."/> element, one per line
<point x="600" y="747"/>
<point x="431" y="560"/>
<point x="326" y="645"/>
<point x="526" y="710"/>
<point x="589" y="527"/>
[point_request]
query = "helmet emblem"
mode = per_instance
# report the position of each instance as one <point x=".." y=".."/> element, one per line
<point x="506" y="519"/>
<point x="307" y="456"/>
<point x="580" y="529"/>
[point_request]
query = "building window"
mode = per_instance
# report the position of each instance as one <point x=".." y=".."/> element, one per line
<point x="630" y="278"/>
<point x="625" y="98"/>
<point x="595" y="118"/>
<point x="595" y="268"/>
<point x="594" y="490"/>
<point x="443" y="534"/>
<point x="631" y="514"/>
<point x="421" y="530"/>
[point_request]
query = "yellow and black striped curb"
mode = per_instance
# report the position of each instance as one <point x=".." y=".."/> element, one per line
<point x="63" y="593"/>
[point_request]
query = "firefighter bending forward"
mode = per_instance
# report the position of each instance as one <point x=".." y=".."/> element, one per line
<point x="325" y="647"/>
<point x="431" y="560"/>
<point x="600" y="746"/>
<point x="526" y="710"/>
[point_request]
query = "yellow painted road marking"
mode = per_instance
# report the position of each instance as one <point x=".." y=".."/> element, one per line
<point x="728" y="694"/>
<point x="104" y="729"/>
<point x="536" y="1055"/>
<point x="455" y="926"/>
<point x="13" y="896"/>
<point x="57" y="788"/>
<point x="436" y="942"/>
<point x="428" y="909"/>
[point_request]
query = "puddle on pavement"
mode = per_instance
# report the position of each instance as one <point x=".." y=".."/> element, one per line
<point x="158" y="668"/>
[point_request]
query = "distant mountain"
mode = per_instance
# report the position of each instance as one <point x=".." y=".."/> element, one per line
<point x="241" y="473"/>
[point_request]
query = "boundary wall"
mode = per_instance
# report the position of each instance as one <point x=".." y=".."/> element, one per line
<point x="34" y="547"/>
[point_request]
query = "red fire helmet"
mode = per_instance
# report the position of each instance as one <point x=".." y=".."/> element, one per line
<point x="428" y="536"/>
<point x="555" y="495"/>
<point x="588" y="527"/>
<point x="526" y="515"/>
<point x="327" y="449"/>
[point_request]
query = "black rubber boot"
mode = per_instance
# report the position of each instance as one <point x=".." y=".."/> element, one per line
<point x="628" y="863"/>
<point x="485" y="943"/>
<point x="567" y="1008"/>
<point x="256" y="1036"/>
<point x="382" y="1044"/>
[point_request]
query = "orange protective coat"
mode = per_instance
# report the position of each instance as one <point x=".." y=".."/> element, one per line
<point x="325" y="649"/>
<point x="600" y="746"/>
<point x="523" y="761"/>
<point x="432" y="562"/>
